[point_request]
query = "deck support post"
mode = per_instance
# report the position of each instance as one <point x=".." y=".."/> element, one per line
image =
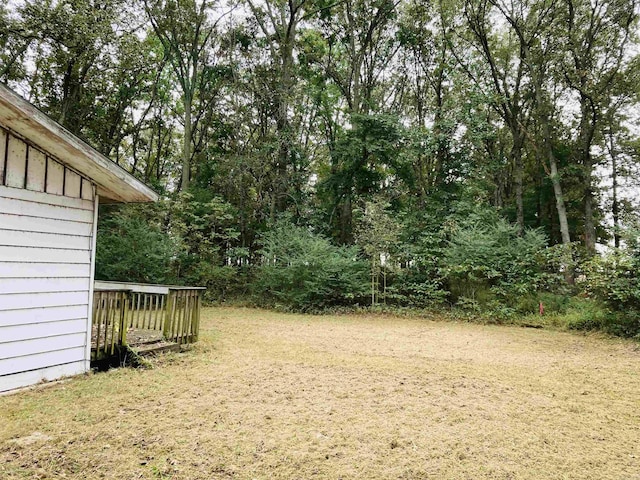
<point x="168" y="319"/>
<point x="126" y="298"/>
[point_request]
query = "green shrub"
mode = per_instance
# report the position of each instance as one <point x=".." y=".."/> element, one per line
<point x="577" y="313"/>
<point x="132" y="247"/>
<point x="488" y="263"/>
<point x="613" y="280"/>
<point x="221" y="282"/>
<point x="552" y="302"/>
<point x="411" y="288"/>
<point x="305" y="272"/>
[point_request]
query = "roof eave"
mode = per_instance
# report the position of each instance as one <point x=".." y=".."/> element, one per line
<point x="113" y="181"/>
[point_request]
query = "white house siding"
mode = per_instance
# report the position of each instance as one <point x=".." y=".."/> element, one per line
<point x="47" y="215"/>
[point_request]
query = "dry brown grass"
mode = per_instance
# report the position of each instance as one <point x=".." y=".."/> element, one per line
<point x="268" y="395"/>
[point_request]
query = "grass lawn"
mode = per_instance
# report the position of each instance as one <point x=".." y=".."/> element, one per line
<point x="268" y="395"/>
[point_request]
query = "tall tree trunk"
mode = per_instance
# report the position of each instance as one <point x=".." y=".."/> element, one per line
<point x="557" y="191"/>
<point x="536" y="71"/>
<point x="615" y="206"/>
<point x="186" y="143"/>
<point x="69" y="97"/>
<point x="588" y="121"/>
<point x="346" y="220"/>
<point x="562" y="214"/>
<point x="516" y="155"/>
<point x="282" y="122"/>
<point x="589" y="223"/>
<point x="441" y="140"/>
<point x="539" y="183"/>
<point x="544" y="119"/>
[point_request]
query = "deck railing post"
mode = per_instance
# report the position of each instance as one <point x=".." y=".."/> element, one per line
<point x="195" y="331"/>
<point x="168" y="318"/>
<point x="126" y="297"/>
<point x="185" y="316"/>
<point x="107" y="321"/>
<point x="97" y="308"/>
<point x="115" y="321"/>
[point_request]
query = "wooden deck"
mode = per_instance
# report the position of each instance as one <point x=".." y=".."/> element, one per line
<point x="142" y="317"/>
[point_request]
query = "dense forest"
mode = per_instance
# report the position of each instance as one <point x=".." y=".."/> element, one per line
<point x="474" y="156"/>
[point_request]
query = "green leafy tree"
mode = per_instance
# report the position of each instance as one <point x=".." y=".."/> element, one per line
<point x="596" y="69"/>
<point x="186" y="32"/>
<point x="363" y="158"/>
<point x="132" y="246"/>
<point x="377" y="233"/>
<point x="205" y="234"/>
<point x="73" y="56"/>
<point x="304" y="271"/>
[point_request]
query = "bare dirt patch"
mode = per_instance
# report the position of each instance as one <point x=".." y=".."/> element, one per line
<point x="267" y="395"/>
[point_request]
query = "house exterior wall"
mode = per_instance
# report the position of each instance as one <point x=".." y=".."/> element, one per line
<point x="47" y="252"/>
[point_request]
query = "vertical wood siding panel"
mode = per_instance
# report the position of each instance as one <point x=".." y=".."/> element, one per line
<point x="25" y="166"/>
<point x="72" y="184"/>
<point x="36" y="170"/>
<point x="92" y="282"/>
<point x="87" y="189"/>
<point x="55" y="177"/>
<point x="3" y="149"/>
<point x="16" y="163"/>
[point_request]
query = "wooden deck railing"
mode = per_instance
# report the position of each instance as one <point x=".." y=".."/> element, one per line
<point x="167" y="313"/>
<point x="147" y="310"/>
<point x="109" y="313"/>
<point x="182" y="321"/>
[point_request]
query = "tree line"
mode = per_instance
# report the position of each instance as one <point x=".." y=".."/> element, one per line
<point x="446" y="152"/>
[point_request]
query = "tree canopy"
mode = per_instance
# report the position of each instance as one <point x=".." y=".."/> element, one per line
<point x="466" y="143"/>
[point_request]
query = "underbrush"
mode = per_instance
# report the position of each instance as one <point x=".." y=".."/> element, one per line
<point x="561" y="312"/>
